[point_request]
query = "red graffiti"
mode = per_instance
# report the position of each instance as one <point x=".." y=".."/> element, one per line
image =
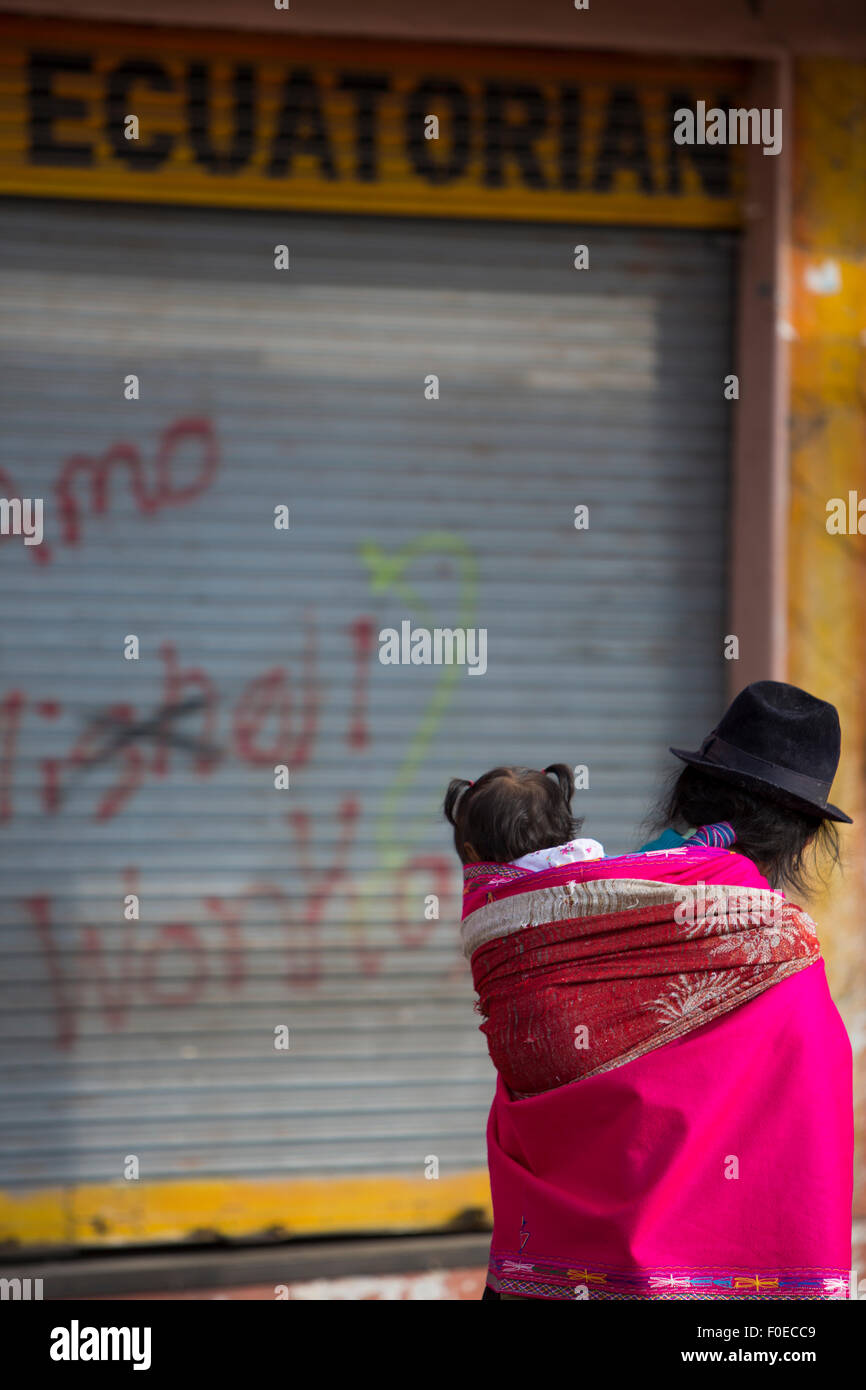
<point x="176" y="683"/>
<point x="439" y="871"/>
<point x="262" y="727"/>
<point x="70" y="990"/>
<point x="233" y="961"/>
<point x="364" y="640"/>
<point x="10" y="720"/>
<point x="84" y="483"/>
<point x="321" y="885"/>
<point x="209" y="956"/>
<point x="173" y="936"/>
<point x="87" y="747"/>
<point x="180" y="964"/>
<point x="267" y="699"/>
<point x="97" y="473"/>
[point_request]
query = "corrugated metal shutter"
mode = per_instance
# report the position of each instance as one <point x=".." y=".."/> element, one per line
<point x="305" y="907"/>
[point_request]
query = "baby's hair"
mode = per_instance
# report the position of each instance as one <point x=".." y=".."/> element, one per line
<point x="511" y="811"/>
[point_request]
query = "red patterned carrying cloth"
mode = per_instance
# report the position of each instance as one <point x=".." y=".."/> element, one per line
<point x="587" y="966"/>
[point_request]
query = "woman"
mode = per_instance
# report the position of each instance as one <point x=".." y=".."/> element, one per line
<point x="673" y="1112"/>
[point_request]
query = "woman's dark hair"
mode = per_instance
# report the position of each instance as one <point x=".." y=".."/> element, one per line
<point x="787" y="845"/>
<point x="511" y="811"/>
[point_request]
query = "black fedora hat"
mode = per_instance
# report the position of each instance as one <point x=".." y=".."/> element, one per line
<point x="779" y="740"/>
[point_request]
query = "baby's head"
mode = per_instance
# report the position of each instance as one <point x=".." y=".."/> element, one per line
<point x="511" y="811"/>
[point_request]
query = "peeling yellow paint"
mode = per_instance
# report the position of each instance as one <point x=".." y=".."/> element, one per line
<point x="827" y="573"/>
<point x="127" y="1213"/>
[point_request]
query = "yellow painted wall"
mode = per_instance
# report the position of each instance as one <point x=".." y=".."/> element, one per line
<point x="827" y="574"/>
<point x="125" y="1213"/>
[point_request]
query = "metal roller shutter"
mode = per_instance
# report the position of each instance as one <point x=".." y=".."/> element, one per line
<point x="305" y="907"/>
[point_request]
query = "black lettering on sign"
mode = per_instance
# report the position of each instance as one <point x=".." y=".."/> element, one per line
<point x="301" y="127"/>
<point x="428" y="99"/>
<point x="623" y="142"/>
<point x="198" y="107"/>
<point x="367" y="89"/>
<point x="569" y="138"/>
<point x="712" y="162"/>
<point x="504" y="138"/>
<point x="45" y="107"/>
<point x="119" y="103"/>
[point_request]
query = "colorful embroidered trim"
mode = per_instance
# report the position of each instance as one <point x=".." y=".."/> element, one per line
<point x="566" y="1280"/>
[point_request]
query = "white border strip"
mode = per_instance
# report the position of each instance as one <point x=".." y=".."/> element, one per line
<point x="751" y="906"/>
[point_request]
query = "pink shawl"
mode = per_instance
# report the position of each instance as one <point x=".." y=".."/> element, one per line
<point x="717" y="1164"/>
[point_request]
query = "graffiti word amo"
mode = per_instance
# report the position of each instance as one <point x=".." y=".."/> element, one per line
<point x="151" y="488"/>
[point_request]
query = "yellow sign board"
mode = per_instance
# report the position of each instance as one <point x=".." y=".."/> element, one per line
<point x="178" y="116"/>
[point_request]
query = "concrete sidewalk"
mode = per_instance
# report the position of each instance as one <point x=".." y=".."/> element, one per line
<point x="444" y="1286"/>
<point x="445" y="1267"/>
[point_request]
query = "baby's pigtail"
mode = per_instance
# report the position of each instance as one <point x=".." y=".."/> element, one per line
<point x="453" y="796"/>
<point x="565" y="778"/>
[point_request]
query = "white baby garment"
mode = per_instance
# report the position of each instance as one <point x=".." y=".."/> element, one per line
<point x="572" y="852"/>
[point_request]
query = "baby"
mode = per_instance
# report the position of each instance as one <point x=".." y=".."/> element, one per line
<point x="516" y="815"/>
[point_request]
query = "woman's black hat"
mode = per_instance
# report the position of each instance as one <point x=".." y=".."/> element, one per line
<point x="778" y="740"/>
